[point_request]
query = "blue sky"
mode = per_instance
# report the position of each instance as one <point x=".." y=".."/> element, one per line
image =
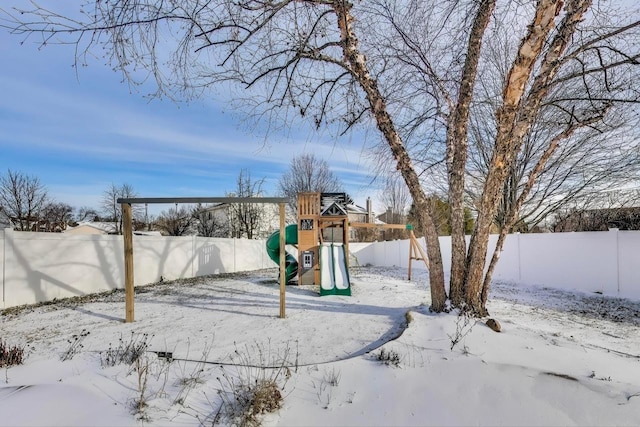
<point x="80" y="132"/>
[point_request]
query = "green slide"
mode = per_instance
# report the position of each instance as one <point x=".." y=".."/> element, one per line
<point x="273" y="249"/>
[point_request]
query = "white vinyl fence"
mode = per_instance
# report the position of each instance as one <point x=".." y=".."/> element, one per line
<point x="606" y="262"/>
<point x="36" y="267"/>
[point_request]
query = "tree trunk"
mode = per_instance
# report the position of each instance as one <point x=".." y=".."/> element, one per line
<point x="356" y="63"/>
<point x="457" y="147"/>
<point x="512" y="214"/>
<point x="508" y="140"/>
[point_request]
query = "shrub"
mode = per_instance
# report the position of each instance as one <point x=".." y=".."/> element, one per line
<point x="389" y="358"/>
<point x="10" y="355"/>
<point x="252" y="389"/>
<point x="75" y="345"/>
<point x="127" y="352"/>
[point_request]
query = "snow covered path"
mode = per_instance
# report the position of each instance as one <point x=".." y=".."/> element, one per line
<point x="562" y="358"/>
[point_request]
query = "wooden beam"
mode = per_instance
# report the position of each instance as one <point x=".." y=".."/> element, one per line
<point x="171" y="200"/>
<point x="381" y="226"/>
<point x="283" y="273"/>
<point x="127" y="232"/>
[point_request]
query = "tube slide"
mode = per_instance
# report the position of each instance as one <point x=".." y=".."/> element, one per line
<point x="334" y="275"/>
<point x="273" y="250"/>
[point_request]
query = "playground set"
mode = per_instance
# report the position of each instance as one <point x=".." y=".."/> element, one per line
<point x="323" y="257"/>
<point x="320" y="262"/>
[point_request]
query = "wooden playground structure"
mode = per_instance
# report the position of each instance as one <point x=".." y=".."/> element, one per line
<point x="319" y="262"/>
<point x="318" y="212"/>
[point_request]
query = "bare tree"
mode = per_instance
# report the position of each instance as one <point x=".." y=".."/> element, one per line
<point x="415" y="73"/>
<point x="396" y="199"/>
<point x="22" y="199"/>
<point x="86" y="213"/>
<point x="246" y="219"/>
<point x="55" y="217"/>
<point x="584" y="149"/>
<point x="567" y="60"/>
<point x="208" y="223"/>
<point x="440" y="211"/>
<point x="602" y="211"/>
<point x="112" y="210"/>
<point x="308" y="173"/>
<point x="176" y="221"/>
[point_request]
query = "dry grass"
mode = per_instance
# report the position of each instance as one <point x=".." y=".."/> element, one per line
<point x="10" y="355"/>
<point x="252" y="388"/>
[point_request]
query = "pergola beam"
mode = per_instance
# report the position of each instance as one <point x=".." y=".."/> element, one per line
<point x="381" y="226"/>
<point x="171" y="200"/>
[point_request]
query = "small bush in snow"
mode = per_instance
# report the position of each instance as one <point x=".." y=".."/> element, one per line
<point x="464" y="325"/>
<point x="389" y="358"/>
<point x="10" y="355"/>
<point x="75" y="345"/>
<point x="332" y="377"/>
<point x="142" y="368"/>
<point x="126" y="352"/>
<point x="251" y="388"/>
<point x="190" y="378"/>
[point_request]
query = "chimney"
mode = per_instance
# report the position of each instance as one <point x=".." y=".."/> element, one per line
<point x="369" y="211"/>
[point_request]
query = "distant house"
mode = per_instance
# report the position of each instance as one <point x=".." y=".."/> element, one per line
<point x="359" y="214"/>
<point x="355" y="214"/>
<point x="228" y="221"/>
<point x="93" y="227"/>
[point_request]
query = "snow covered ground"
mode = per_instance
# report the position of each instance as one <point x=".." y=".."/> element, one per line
<point x="561" y="359"/>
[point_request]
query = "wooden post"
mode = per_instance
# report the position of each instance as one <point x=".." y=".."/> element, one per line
<point x="411" y="250"/>
<point x="283" y="274"/>
<point x="414" y="250"/>
<point x="127" y="232"/>
<point x="345" y="240"/>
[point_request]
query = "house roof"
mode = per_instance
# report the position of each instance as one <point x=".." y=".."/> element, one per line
<point x="105" y="227"/>
<point x="356" y="209"/>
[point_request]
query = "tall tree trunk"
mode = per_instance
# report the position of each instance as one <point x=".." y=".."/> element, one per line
<point x="512" y="214"/>
<point x="357" y="65"/>
<point x="515" y="119"/>
<point x="508" y="139"/>
<point x="457" y="147"/>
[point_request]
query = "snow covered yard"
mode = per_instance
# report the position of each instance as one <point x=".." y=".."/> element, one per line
<point x="561" y="359"/>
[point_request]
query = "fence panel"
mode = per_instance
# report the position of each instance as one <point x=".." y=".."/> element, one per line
<point x="43" y="266"/>
<point x="585" y="261"/>
<point x="605" y="262"/>
<point x="158" y="256"/>
<point x="39" y="267"/>
<point x="2" y="261"/>
<point x="629" y="264"/>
